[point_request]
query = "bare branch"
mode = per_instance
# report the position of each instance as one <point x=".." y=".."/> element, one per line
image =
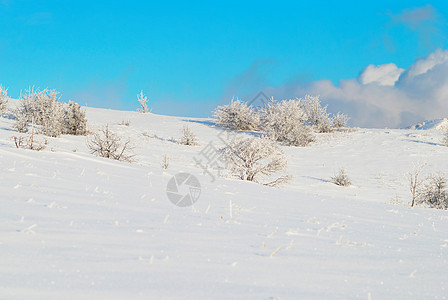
<point x="107" y="144"/>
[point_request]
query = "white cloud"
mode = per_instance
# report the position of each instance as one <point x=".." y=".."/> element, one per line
<point x="386" y="74"/>
<point x="385" y="95"/>
<point x="422" y="66"/>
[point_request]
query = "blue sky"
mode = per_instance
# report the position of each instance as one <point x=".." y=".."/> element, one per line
<point x="189" y="57"/>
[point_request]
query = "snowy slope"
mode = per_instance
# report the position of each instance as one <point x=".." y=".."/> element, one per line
<point x="73" y="225"/>
<point x="440" y="124"/>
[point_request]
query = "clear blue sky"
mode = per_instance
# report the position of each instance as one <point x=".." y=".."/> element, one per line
<point x="190" y="56"/>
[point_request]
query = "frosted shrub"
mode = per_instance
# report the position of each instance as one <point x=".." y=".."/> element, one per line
<point x="188" y="137"/>
<point x="21" y="124"/>
<point x="341" y="178"/>
<point x="3" y="99"/>
<point x="431" y="191"/>
<point x="284" y="122"/>
<point x="74" y="119"/>
<point x="256" y="159"/>
<point x="339" y="121"/>
<point x="290" y="122"/>
<point x="316" y="115"/>
<point x="434" y="192"/>
<point x="237" y="116"/>
<point x="143" y="100"/>
<point x="42" y="108"/>
<point x="107" y="144"/>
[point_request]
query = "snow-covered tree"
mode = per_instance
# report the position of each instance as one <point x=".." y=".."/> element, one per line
<point x="284" y="122"/>
<point x="143" y="100"/>
<point x="237" y="116"/>
<point x="316" y="115"/>
<point x="3" y="99"/>
<point x="318" y="118"/>
<point x="188" y="137"/>
<point x="289" y="121"/>
<point x="74" y="119"/>
<point x="339" y="120"/>
<point x="40" y="108"/>
<point x="256" y="159"/>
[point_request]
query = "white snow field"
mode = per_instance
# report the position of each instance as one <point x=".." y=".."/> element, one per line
<point x="75" y="226"/>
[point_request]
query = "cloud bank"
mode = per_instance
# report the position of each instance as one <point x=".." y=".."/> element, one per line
<point x="384" y="95"/>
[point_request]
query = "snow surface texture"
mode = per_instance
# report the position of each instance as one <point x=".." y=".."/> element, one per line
<point x="77" y="226"/>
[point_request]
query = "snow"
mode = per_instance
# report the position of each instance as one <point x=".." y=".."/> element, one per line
<point x="74" y="225"/>
<point x="439" y="124"/>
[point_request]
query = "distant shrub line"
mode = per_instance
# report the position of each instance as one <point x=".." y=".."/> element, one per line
<point x="290" y="122"/>
<point x="52" y="118"/>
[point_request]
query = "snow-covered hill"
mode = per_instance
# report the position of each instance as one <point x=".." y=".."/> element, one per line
<point x="77" y="226"/>
<point x="439" y="124"/>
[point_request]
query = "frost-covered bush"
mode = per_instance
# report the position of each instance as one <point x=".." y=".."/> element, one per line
<point x="339" y="121"/>
<point x="107" y="144"/>
<point x="256" y="159"/>
<point x="316" y="115"/>
<point x="143" y="100"/>
<point x="434" y="192"/>
<point x="74" y="119"/>
<point x="290" y="122"/>
<point x="341" y="178"/>
<point x="285" y="122"/>
<point x="237" y="116"/>
<point x="42" y="108"/>
<point x="3" y="99"/>
<point x="188" y="137"/>
<point x="21" y="124"/>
